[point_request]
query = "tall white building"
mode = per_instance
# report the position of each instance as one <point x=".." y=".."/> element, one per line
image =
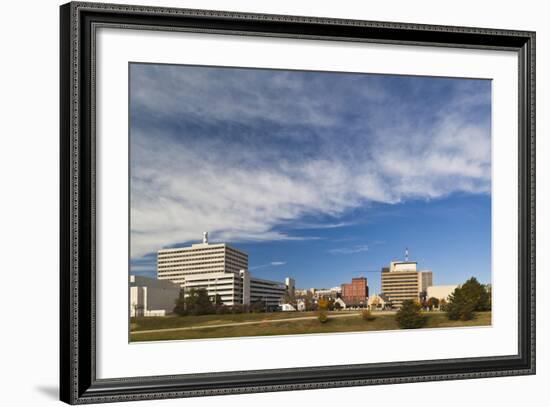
<point x="179" y="264"/>
<point x="221" y="270"/>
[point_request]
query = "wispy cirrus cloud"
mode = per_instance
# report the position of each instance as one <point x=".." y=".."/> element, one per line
<point x="271" y="264"/>
<point x="248" y="154"/>
<point x="350" y="250"/>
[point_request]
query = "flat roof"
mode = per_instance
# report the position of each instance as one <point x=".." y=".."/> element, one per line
<point x="200" y="246"/>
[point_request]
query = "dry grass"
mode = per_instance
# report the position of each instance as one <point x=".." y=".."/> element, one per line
<point x="351" y="324"/>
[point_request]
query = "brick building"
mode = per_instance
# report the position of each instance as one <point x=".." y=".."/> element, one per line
<point x="356" y="292"/>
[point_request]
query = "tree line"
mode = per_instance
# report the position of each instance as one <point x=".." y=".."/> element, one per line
<point x="196" y="301"/>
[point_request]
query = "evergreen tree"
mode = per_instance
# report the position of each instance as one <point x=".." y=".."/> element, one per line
<point x="410" y="315"/>
<point x="460" y="306"/>
<point x="467" y="299"/>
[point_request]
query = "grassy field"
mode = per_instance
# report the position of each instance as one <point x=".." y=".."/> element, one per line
<point x="338" y="322"/>
<point x="145" y="323"/>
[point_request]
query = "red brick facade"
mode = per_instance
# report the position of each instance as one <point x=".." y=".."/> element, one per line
<point x="355" y="293"/>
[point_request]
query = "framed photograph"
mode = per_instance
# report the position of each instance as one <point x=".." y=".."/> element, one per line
<point x="255" y="203"/>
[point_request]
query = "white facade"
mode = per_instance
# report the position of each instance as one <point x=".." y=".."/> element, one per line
<point x="151" y="297"/>
<point x="227" y="285"/>
<point x="240" y="288"/>
<point x="221" y="270"/>
<point x="376" y="302"/>
<point x="287" y="307"/>
<point x="269" y="292"/>
<point x="340" y="302"/>
<point x="441" y="292"/>
<point x="327" y="292"/>
<point x="178" y="264"/>
<point x="301" y="305"/>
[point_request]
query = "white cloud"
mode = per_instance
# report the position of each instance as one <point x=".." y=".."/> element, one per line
<point x="241" y="191"/>
<point x="272" y="264"/>
<point x="350" y="250"/>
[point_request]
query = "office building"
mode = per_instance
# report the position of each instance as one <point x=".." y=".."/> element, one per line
<point x="179" y="264"/>
<point x="441" y="292"/>
<point x="290" y="287"/>
<point x="221" y="270"/>
<point x="271" y="293"/>
<point x="402" y="281"/>
<point x="329" y="293"/>
<point x="356" y="292"/>
<point x="151" y="297"/>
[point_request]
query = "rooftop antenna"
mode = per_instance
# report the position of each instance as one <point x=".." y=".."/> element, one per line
<point x="205" y="237"/>
<point x="406" y="254"/>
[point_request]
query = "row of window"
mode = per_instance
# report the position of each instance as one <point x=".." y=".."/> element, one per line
<point x="182" y="258"/>
<point x="190" y="250"/>
<point x="394" y="283"/>
<point x="217" y="259"/>
<point x="201" y="252"/>
<point x="178" y="274"/>
<point x="185" y="270"/>
<point x="399" y="289"/>
<point x="173" y="266"/>
<point x="194" y="258"/>
<point x="408" y="278"/>
<point x="402" y="297"/>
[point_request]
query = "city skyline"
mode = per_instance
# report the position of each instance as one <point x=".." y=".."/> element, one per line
<point x="280" y="166"/>
<point x="364" y="260"/>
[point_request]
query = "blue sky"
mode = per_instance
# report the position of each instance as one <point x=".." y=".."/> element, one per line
<point x="319" y="176"/>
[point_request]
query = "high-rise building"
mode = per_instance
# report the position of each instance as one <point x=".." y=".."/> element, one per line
<point x="356" y="292"/>
<point x="181" y="263"/>
<point x="402" y="281"/>
<point x="221" y="270"/>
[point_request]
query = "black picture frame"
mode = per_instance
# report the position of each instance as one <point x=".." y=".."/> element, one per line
<point x="78" y="382"/>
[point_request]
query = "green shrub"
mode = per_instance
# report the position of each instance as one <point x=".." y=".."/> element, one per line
<point x="323" y="317"/>
<point x="239" y="309"/>
<point x="222" y="309"/>
<point x="410" y="315"/>
<point x="367" y="315"/>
